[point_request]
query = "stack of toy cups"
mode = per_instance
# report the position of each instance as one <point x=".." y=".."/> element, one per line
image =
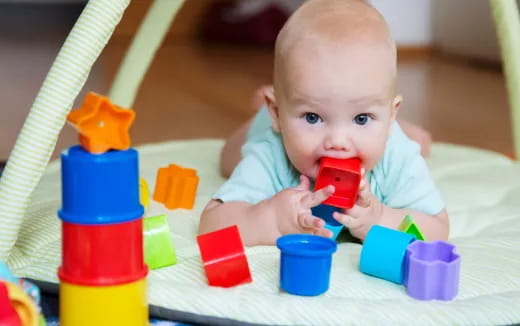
<point x="102" y="276"/>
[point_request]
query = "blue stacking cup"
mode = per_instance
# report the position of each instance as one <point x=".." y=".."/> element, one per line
<point x="100" y="188"/>
<point x="384" y="252"/>
<point x="325" y="213"/>
<point x="305" y="263"/>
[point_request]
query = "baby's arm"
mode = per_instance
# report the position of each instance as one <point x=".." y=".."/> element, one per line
<point x="254" y="221"/>
<point x="288" y="211"/>
<point x="435" y="227"/>
<point x="369" y="211"/>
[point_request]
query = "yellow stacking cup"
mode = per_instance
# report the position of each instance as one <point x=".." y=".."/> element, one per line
<point x="123" y="304"/>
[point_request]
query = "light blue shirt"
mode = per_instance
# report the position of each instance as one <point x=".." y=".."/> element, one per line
<point x="400" y="180"/>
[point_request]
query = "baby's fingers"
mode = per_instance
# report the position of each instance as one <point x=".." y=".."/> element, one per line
<point x="314" y="225"/>
<point x="323" y="232"/>
<point x="363" y="198"/>
<point x="304" y="183"/>
<point x="347" y="220"/>
<point x="315" y="198"/>
<point x="307" y="221"/>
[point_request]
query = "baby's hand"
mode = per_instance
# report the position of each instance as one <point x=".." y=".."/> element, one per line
<point x="293" y="209"/>
<point x="366" y="212"/>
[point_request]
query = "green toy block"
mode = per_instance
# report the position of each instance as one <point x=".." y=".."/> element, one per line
<point x="408" y="226"/>
<point x="158" y="246"/>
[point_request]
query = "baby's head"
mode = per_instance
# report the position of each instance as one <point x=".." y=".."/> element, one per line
<point x="334" y="84"/>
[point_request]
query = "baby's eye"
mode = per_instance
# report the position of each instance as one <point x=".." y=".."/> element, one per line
<point x="312" y="118"/>
<point x="361" y="119"/>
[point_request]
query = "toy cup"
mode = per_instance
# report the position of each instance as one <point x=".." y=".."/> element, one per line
<point x="432" y="270"/>
<point x="305" y="263"/>
<point x="384" y="252"/>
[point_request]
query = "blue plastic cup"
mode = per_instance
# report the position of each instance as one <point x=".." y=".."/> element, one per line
<point x="383" y="253"/>
<point x="100" y="188"/>
<point x="305" y="263"/>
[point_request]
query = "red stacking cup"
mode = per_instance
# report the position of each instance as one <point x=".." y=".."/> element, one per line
<point x="102" y="254"/>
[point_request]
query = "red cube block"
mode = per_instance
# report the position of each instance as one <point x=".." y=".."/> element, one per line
<point x="223" y="257"/>
<point x="344" y="175"/>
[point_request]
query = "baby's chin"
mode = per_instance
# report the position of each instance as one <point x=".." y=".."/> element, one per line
<point x="311" y="171"/>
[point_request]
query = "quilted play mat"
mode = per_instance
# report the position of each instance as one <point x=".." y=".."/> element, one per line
<point x="481" y="190"/>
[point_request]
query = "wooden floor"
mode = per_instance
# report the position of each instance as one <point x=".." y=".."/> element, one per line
<point x="195" y="90"/>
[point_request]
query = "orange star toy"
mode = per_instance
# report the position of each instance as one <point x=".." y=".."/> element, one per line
<point x="102" y="125"/>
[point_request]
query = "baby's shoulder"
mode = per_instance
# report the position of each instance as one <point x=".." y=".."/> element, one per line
<point x="268" y="148"/>
<point x="400" y="156"/>
<point x="399" y="150"/>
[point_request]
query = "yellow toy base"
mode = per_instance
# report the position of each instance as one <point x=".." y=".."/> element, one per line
<point x="124" y="304"/>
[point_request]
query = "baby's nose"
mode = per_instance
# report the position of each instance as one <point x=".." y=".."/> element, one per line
<point x="338" y="142"/>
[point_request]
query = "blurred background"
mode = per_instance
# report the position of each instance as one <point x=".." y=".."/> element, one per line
<point x="218" y="52"/>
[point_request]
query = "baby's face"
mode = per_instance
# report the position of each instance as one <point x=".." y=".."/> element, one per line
<point x="337" y="103"/>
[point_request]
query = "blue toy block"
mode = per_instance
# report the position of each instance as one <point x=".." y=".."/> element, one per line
<point x="325" y="213"/>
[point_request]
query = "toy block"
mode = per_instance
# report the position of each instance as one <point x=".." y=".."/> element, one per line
<point x="408" y="226"/>
<point x="102" y="125"/>
<point x="223" y="257"/>
<point x="432" y="270"/>
<point x="305" y="263"/>
<point x="344" y="175"/>
<point x="144" y="193"/>
<point x="325" y="213"/>
<point x="176" y="187"/>
<point x="384" y="252"/>
<point x="8" y="316"/>
<point x="158" y="246"/>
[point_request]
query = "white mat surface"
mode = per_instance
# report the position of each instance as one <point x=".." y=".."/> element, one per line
<point x="482" y="192"/>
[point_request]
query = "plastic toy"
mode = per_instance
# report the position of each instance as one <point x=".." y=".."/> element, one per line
<point x="432" y="270"/>
<point x="108" y="185"/>
<point x="28" y="288"/>
<point x="345" y="175"/>
<point x="16" y="307"/>
<point x="408" y="226"/>
<point x="384" y="252"/>
<point x="325" y="213"/>
<point x="102" y="125"/>
<point x="305" y="263"/>
<point x="5" y="273"/>
<point x="223" y="257"/>
<point x="176" y="187"/>
<point x="8" y="316"/>
<point x="123" y="304"/>
<point x="144" y="193"/>
<point x="158" y="246"/>
<point x="102" y="276"/>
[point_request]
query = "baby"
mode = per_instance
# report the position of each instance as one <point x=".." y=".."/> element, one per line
<point x="334" y="95"/>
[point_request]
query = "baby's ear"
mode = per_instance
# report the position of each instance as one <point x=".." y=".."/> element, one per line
<point x="270" y="101"/>
<point x="396" y="104"/>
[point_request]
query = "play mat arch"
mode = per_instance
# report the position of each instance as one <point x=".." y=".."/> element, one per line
<point x="485" y="209"/>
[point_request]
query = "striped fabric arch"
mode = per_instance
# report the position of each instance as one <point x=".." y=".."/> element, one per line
<point x="39" y="133"/>
<point x="507" y="22"/>
<point x="62" y="85"/>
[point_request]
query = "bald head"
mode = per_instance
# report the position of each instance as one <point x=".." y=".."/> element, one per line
<point x="334" y="24"/>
